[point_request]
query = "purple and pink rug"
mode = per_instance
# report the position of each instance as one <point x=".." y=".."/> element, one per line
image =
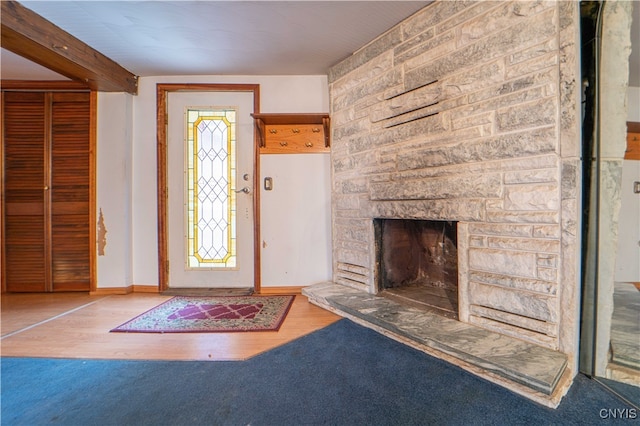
<point x="222" y="314"/>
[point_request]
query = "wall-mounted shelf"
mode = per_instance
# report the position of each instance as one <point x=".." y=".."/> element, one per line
<point x="293" y="133"/>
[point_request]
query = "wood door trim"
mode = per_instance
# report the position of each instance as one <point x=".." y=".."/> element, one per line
<point x="162" y="91"/>
<point x="3" y="280"/>
<point x="43" y="86"/>
<point x="633" y="141"/>
<point x="93" y="140"/>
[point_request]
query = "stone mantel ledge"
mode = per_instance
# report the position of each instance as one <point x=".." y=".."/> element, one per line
<point x="535" y="372"/>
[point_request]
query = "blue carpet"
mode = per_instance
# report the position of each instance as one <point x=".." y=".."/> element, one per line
<point x="344" y="374"/>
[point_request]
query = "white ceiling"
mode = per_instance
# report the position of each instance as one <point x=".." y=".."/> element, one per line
<point x="209" y="37"/>
<point x="150" y="38"/>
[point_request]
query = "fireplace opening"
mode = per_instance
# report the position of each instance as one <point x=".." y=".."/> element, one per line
<point x="418" y="263"/>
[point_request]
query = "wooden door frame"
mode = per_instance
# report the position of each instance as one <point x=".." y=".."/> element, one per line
<point x="57" y="86"/>
<point x="162" y="96"/>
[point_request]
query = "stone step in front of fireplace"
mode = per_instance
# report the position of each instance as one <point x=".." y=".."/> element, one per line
<point x="535" y="372"/>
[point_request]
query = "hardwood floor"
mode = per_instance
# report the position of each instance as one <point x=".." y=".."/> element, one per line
<point x="73" y="325"/>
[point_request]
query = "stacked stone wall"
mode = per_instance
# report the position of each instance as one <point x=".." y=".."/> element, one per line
<point x="460" y="113"/>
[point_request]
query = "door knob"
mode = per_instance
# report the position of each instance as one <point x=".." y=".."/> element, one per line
<point x="46" y="187"/>
<point x="246" y="190"/>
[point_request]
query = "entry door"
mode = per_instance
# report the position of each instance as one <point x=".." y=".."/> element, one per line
<point x="210" y="193"/>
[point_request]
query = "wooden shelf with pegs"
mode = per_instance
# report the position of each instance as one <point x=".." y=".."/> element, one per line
<point x="293" y="133"/>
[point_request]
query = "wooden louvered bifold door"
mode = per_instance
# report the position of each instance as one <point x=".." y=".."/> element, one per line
<point x="25" y="257"/>
<point x="69" y="192"/>
<point x="46" y="166"/>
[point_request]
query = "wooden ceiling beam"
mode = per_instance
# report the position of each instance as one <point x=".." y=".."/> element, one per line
<point x="29" y="35"/>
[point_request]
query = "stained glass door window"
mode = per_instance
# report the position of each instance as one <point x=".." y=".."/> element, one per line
<point x="210" y="200"/>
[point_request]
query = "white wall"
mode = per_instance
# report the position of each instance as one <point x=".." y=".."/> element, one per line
<point x="113" y="194"/>
<point x="126" y="170"/>
<point x="296" y="219"/>
<point x="628" y="257"/>
<point x="129" y="175"/>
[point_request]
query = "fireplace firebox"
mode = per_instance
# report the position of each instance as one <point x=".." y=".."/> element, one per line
<point x="417" y="263"/>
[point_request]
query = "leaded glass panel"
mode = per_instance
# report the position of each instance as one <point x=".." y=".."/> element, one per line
<point x="211" y="203"/>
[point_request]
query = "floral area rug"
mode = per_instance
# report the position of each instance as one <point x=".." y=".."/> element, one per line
<point x="222" y="314"/>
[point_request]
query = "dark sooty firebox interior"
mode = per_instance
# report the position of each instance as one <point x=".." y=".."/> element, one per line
<point x="418" y="263"/>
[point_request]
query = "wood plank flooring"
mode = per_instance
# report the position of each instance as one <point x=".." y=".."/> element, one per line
<point x="72" y="325"/>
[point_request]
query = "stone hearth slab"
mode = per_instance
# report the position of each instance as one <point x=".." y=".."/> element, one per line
<point x="625" y="326"/>
<point x="524" y="364"/>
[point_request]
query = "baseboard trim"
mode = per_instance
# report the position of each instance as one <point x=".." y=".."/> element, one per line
<point x="154" y="289"/>
<point x="107" y="291"/>
<point x="281" y="290"/>
<point x="146" y="289"/>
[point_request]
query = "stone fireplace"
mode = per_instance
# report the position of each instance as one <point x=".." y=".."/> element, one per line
<point x="454" y="115"/>
<point x="466" y="113"/>
<point x="418" y="263"/>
